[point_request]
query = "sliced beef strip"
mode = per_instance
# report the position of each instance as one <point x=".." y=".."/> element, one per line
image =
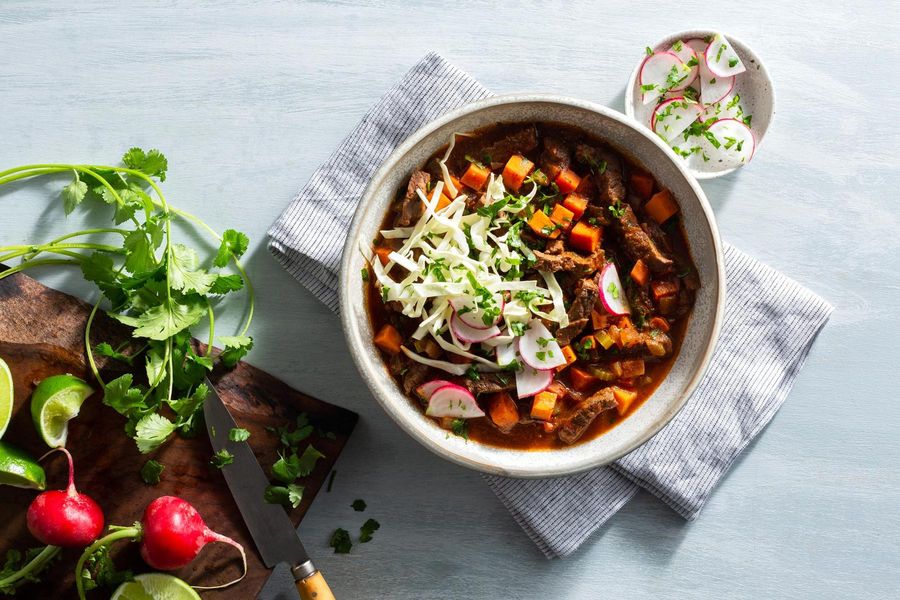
<point x="554" y="260"/>
<point x="586" y="293"/>
<point x="638" y="244"/>
<point x="410" y="208"/>
<point x="639" y="299"/>
<point x="583" y="414"/>
<point x="611" y="182"/>
<point x="489" y="383"/>
<point x="555" y="157"/>
<point x="521" y="141"/>
<point x="411" y="373"/>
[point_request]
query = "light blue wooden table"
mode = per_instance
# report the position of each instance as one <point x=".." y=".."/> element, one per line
<point x="247" y="98"/>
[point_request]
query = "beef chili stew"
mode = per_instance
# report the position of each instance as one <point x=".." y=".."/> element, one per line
<point x="530" y="286"/>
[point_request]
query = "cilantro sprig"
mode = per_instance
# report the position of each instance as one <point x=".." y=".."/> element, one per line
<point x="157" y="287"/>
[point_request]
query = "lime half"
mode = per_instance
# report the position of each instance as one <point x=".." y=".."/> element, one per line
<point x="155" y="586"/>
<point x="6" y="396"/>
<point x="20" y="470"/>
<point x="55" y="401"/>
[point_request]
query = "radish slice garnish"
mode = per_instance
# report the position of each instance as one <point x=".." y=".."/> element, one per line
<point x="661" y="72"/>
<point x="425" y="390"/>
<point x="721" y="58"/>
<point x="728" y="107"/>
<point x="507" y="354"/>
<point x="729" y="142"/>
<point x="612" y="294"/>
<point x="689" y="57"/>
<point x="453" y="401"/>
<point x="473" y="316"/>
<point x="471" y="335"/>
<point x="698" y="45"/>
<point x="672" y="117"/>
<point x="712" y="87"/>
<point x="539" y="349"/>
<point x="531" y="381"/>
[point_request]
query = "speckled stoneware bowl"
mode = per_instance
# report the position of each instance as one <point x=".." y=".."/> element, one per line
<point x="702" y="332"/>
<point x="754" y="85"/>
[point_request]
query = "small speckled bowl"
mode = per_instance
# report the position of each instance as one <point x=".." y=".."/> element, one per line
<point x="702" y="331"/>
<point x="754" y="86"/>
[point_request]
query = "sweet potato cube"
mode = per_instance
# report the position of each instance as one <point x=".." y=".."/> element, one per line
<point x="543" y="406"/>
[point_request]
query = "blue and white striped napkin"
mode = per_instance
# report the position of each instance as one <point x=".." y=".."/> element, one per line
<point x="770" y="324"/>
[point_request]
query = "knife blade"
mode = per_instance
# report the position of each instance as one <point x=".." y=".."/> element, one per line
<point x="272" y="531"/>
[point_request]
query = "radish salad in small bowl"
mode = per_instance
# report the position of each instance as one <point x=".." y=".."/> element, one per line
<point x="707" y="95"/>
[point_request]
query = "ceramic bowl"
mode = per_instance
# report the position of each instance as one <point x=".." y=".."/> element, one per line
<point x="754" y="85"/>
<point x="700" y="338"/>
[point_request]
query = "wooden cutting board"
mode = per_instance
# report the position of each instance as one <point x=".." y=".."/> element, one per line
<point x="41" y="334"/>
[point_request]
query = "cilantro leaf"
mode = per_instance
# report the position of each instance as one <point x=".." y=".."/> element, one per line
<point x="121" y="397"/>
<point x="359" y="505"/>
<point x="185" y="274"/>
<point x="226" y="283"/>
<point x="236" y="348"/>
<point x="100" y="571"/>
<point x="73" y="194"/>
<point x="286" y="469"/>
<point x="151" y="471"/>
<point x="238" y="434"/>
<point x="165" y="320"/>
<point x="221" y="458"/>
<point x="340" y="541"/>
<point x="308" y="460"/>
<point x="16" y="561"/>
<point x="234" y="243"/>
<point x="290" y="495"/>
<point x="151" y="431"/>
<point x="152" y="163"/>
<point x="187" y="406"/>
<point x="368" y="528"/>
<point x="155" y="362"/>
<point x="104" y="349"/>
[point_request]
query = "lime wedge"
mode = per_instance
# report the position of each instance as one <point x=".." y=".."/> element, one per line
<point x="6" y="396"/>
<point x="55" y="401"/>
<point x="155" y="586"/>
<point x="20" y="470"/>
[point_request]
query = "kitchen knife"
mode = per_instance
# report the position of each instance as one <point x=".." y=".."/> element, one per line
<point x="271" y="529"/>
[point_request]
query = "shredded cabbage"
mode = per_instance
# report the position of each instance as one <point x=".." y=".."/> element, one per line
<point x="472" y="260"/>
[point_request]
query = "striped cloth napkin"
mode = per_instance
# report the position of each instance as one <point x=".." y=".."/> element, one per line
<point x="770" y="324"/>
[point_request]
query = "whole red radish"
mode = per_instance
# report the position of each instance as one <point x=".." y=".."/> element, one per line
<point x="174" y="533"/>
<point x="67" y="517"/>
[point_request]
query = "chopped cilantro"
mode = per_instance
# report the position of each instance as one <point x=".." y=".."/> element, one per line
<point x="368" y="528"/>
<point x="359" y="505"/>
<point x="151" y="472"/>
<point x="340" y="541"/>
<point x="221" y="458"/>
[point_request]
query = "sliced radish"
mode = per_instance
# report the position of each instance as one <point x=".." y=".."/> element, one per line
<point x="721" y="58"/>
<point x="673" y="116"/>
<point x="612" y="294"/>
<point x="734" y="143"/>
<point x="690" y="58"/>
<point x="531" y="381"/>
<point x="453" y="401"/>
<point x="539" y="349"/>
<point x="728" y="107"/>
<point x="471" y="335"/>
<point x="506" y="354"/>
<point x="661" y="72"/>
<point x="425" y="390"/>
<point x="473" y="316"/>
<point x="712" y="87"/>
<point x="698" y="45"/>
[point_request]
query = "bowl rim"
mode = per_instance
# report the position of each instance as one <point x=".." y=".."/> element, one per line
<point x="351" y="244"/>
<point x="700" y="33"/>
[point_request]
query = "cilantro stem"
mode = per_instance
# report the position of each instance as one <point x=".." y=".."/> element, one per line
<point x="212" y="328"/>
<point x="87" y="343"/>
<point x="37" y="263"/>
<point x="125" y="533"/>
<point x="35" y="564"/>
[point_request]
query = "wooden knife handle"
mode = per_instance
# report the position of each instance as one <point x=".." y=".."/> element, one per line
<point x="314" y="587"/>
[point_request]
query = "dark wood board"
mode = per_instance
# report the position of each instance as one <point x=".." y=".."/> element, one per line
<point x="41" y="334"/>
